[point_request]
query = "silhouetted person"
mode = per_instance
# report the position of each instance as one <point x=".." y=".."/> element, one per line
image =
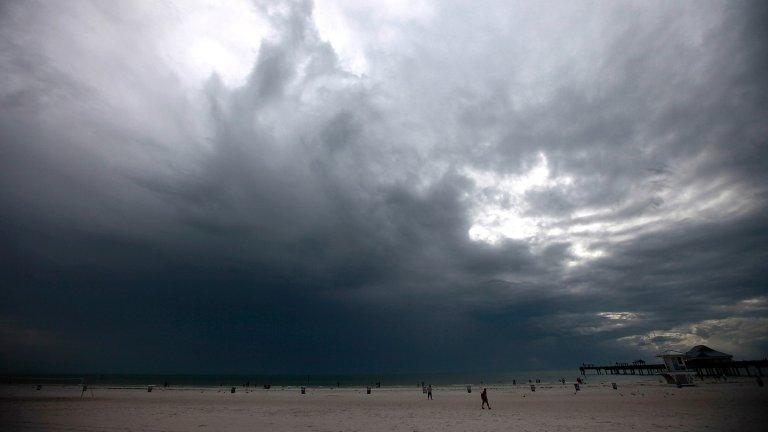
<point x="484" y="397"/>
<point x="429" y="392"/>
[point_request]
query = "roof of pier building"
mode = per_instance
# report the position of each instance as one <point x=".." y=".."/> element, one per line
<point x="705" y="353"/>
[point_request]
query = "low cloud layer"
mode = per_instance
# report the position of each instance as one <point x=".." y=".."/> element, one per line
<point x="339" y="187"/>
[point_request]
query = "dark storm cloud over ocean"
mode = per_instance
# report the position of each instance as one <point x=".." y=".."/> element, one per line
<point x="501" y="187"/>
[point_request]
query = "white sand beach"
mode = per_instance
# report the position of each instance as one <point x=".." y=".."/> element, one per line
<point x="638" y="406"/>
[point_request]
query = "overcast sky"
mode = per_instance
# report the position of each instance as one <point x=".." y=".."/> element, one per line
<point x="354" y="186"/>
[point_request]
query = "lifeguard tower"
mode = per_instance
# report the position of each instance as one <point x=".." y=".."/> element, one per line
<point x="676" y="370"/>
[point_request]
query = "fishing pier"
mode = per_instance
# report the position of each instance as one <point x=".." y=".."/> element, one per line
<point x="701" y="360"/>
<point x="633" y="368"/>
<point x="748" y="368"/>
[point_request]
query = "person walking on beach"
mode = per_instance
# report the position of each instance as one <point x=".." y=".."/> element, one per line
<point x="484" y="397"/>
<point x="429" y="392"/>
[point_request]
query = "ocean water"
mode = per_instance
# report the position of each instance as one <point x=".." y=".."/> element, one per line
<point x="414" y="380"/>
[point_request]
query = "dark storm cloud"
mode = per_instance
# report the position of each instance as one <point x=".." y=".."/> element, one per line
<point x="525" y="187"/>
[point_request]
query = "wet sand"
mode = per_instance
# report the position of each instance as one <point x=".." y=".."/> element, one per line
<point x="597" y="407"/>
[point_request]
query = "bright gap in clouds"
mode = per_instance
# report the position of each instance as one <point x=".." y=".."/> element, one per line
<point x="501" y="209"/>
<point x="354" y="26"/>
<point x="206" y="38"/>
